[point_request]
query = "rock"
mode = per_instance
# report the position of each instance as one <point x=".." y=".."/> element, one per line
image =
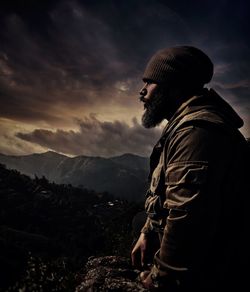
<point x="110" y="273"/>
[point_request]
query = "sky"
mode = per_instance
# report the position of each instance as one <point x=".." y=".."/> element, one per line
<point x="70" y="71"/>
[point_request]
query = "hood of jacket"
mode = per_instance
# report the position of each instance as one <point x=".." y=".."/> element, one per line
<point x="208" y="106"/>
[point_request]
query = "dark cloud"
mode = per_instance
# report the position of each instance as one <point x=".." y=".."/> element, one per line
<point x="81" y="52"/>
<point x="62" y="58"/>
<point x="96" y="138"/>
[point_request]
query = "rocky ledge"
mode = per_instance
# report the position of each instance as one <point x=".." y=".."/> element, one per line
<point x="109" y="273"/>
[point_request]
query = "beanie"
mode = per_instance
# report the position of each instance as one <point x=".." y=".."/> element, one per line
<point x="179" y="65"/>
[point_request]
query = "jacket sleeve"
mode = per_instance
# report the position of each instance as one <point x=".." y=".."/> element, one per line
<point x="187" y="181"/>
<point x="147" y="228"/>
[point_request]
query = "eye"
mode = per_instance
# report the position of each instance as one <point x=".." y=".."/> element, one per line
<point x="147" y="81"/>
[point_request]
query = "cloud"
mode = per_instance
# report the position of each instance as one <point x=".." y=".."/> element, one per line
<point x="221" y="68"/>
<point x="237" y="85"/>
<point x="10" y="144"/>
<point x="78" y="54"/>
<point x="65" y="59"/>
<point x="96" y="138"/>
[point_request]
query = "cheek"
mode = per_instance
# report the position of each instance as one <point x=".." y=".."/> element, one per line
<point x="152" y="94"/>
<point x="152" y="89"/>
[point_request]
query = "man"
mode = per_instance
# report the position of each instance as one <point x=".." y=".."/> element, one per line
<point x="198" y="200"/>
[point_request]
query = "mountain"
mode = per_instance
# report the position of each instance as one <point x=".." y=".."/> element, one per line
<point x="131" y="161"/>
<point x="123" y="176"/>
<point x="39" y="164"/>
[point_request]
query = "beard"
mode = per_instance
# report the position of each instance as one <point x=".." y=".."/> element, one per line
<point x="155" y="111"/>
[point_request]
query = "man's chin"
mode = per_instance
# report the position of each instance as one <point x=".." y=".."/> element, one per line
<point x="146" y="121"/>
<point x="149" y="122"/>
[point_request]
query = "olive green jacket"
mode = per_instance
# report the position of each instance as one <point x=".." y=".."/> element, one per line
<point x="199" y="198"/>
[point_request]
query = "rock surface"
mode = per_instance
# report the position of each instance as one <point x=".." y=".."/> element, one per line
<point x="110" y="273"/>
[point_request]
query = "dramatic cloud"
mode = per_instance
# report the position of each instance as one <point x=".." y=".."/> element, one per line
<point x="12" y="145"/>
<point x="61" y="60"/>
<point x="96" y="138"/>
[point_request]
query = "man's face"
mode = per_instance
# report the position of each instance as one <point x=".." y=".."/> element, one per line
<point x="154" y="104"/>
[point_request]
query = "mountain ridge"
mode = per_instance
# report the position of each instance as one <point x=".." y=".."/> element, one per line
<point x="124" y="176"/>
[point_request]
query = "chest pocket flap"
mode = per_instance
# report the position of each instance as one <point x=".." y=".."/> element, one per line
<point x="188" y="173"/>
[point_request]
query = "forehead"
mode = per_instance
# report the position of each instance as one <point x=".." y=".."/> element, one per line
<point x="150" y="86"/>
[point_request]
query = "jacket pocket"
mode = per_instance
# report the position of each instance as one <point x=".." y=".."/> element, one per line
<point x="185" y="183"/>
<point x="154" y="207"/>
<point x="191" y="172"/>
<point x="155" y="180"/>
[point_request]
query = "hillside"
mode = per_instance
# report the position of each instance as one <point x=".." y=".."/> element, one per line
<point x="48" y="229"/>
<point x="123" y="176"/>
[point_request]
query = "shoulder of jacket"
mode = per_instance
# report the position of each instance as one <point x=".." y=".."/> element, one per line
<point x="202" y="118"/>
<point x="185" y="128"/>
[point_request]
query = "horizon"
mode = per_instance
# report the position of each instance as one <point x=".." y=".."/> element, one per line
<point x="68" y="156"/>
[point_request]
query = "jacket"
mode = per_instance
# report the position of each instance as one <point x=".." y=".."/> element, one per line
<point x="199" y="199"/>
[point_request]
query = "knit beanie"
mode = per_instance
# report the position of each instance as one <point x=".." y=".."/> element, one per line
<point x="180" y="65"/>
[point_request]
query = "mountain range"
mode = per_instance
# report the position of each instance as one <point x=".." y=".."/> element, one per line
<point x="123" y="176"/>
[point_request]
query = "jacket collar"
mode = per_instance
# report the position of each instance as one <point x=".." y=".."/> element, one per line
<point x="206" y="106"/>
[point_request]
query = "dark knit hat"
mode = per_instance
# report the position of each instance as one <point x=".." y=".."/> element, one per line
<point x="181" y="65"/>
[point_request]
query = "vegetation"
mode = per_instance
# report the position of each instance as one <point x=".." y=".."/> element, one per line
<point x="48" y="231"/>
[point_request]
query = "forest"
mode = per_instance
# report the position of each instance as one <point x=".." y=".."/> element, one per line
<point x="48" y="231"/>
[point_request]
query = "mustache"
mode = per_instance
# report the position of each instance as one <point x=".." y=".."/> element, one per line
<point x="142" y="98"/>
<point x="146" y="102"/>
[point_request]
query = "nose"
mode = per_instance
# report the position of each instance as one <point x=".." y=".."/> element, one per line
<point x="143" y="92"/>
